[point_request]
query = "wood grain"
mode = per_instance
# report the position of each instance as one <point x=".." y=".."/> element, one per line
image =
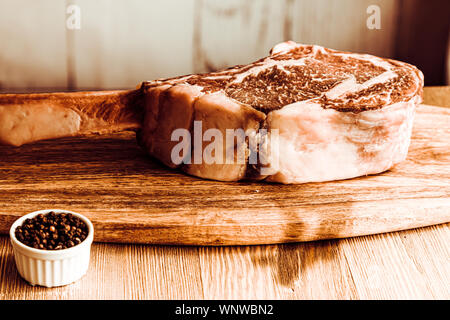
<point x="254" y="26"/>
<point x="437" y="96"/>
<point x="33" y="48"/>
<point x="122" y="43"/>
<point x="401" y="265"/>
<point x="412" y="264"/>
<point x="131" y="198"/>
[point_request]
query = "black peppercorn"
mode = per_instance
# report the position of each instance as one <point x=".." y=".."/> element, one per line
<point x="63" y="231"/>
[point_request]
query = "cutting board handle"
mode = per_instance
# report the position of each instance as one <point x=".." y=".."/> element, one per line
<point x="26" y="118"/>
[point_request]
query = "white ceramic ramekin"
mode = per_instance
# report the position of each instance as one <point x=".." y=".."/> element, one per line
<point x="51" y="268"/>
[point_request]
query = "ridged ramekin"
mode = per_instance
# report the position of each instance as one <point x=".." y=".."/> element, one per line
<point x="51" y="268"/>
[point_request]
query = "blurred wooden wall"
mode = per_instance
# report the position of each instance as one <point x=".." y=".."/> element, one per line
<point x="423" y="37"/>
<point x="123" y="42"/>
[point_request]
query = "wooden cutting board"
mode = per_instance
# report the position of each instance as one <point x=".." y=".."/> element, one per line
<point x="133" y="199"/>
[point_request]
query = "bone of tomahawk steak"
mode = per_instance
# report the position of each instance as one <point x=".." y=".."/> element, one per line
<point x="309" y="114"/>
<point x="26" y="118"/>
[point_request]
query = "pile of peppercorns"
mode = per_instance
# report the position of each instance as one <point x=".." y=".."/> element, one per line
<point x="52" y="231"/>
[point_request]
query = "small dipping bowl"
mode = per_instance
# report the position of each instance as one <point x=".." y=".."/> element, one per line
<point x="51" y="268"/>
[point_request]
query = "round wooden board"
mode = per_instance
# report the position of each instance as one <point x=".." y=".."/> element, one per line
<point x="133" y="199"/>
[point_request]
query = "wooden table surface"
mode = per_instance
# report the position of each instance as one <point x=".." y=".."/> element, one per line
<point x="412" y="264"/>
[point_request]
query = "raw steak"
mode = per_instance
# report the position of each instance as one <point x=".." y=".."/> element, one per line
<point x="339" y="115"/>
